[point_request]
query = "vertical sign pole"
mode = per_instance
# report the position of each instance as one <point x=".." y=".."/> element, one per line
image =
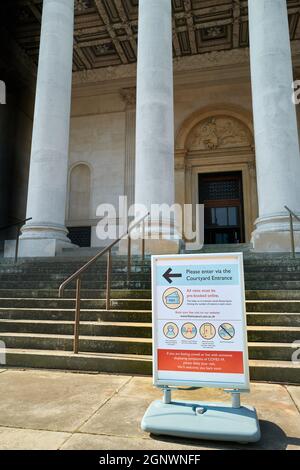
<point x="235" y="399"/>
<point x="167" y="398"/>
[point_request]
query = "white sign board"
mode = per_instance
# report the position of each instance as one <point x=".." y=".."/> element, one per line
<point x="199" y="321"/>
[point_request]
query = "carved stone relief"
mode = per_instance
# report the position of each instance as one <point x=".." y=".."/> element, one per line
<point x="219" y="132"/>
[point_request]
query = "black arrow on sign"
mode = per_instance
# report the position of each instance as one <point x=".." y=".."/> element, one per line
<point x="168" y="276"/>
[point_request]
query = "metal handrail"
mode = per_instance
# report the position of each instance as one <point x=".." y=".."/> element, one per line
<point x="292" y="215"/>
<point x="77" y="275"/>
<point x="18" y="225"/>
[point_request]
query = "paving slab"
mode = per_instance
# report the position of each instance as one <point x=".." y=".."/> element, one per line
<point x="54" y="401"/>
<point x="121" y="416"/>
<point x="23" y="439"/>
<point x="279" y="417"/>
<point x="93" y="442"/>
<point x="3" y="370"/>
<point x="51" y="409"/>
<point x="294" y="392"/>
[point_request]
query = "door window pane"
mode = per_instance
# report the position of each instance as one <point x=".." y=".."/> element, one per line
<point x="221" y="216"/>
<point x="233" y="216"/>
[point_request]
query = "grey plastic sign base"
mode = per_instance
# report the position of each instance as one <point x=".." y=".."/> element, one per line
<point x="199" y="420"/>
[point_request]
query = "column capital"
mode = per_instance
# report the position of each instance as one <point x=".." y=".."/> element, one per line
<point x="128" y="95"/>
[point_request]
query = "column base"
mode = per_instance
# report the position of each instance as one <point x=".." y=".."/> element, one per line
<point x="39" y="240"/>
<point x="158" y="240"/>
<point x="152" y="247"/>
<point x="272" y="234"/>
<point x="36" y="248"/>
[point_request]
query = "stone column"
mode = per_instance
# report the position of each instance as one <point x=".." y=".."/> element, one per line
<point x="46" y="234"/>
<point x="276" y="135"/>
<point x="154" y="178"/>
<point x="5" y="158"/>
<point x="129" y="97"/>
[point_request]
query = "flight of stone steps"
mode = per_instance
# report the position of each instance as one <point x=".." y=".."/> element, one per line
<point x="37" y="326"/>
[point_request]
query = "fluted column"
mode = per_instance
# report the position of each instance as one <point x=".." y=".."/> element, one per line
<point x="129" y="97"/>
<point x="47" y="187"/>
<point x="276" y="134"/>
<point x="154" y="178"/>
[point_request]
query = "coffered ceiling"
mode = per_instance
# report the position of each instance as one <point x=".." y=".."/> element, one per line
<point x="106" y="30"/>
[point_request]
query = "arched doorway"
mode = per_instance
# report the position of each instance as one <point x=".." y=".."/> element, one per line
<point x="215" y="165"/>
<point x="79" y="205"/>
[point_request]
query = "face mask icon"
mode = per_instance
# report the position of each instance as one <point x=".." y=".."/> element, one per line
<point x="171" y="330"/>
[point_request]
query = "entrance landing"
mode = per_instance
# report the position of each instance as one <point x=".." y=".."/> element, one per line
<point x="63" y="410"/>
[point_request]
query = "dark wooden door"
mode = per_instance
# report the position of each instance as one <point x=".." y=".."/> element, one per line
<point x="222" y="196"/>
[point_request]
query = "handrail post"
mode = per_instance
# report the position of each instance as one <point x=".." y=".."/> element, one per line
<point x="292" y="237"/>
<point x="129" y="260"/>
<point x="17" y="244"/>
<point x="143" y="244"/>
<point x="77" y="316"/>
<point x="108" y="279"/>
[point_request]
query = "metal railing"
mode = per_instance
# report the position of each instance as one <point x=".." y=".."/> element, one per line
<point x="18" y="224"/>
<point x="78" y="274"/>
<point x="292" y="216"/>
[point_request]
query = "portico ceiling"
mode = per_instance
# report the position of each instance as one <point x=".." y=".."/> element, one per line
<point x="106" y="31"/>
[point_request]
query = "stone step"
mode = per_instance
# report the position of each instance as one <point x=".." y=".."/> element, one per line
<point x="139" y="293"/>
<point x="70" y="293"/>
<point x="272" y="285"/>
<point x="249" y="258"/>
<point x="272" y="351"/>
<point x="143" y="316"/>
<point x="271" y="268"/>
<point x="275" y="371"/>
<point x="95" y="284"/>
<point x="87" y="328"/>
<point x="93" y="315"/>
<point x="272" y="319"/>
<point x="273" y="334"/>
<point x="259" y="260"/>
<point x="47" y="303"/>
<point x="95" y="344"/>
<point x="58" y="278"/>
<point x="272" y="276"/>
<point x="33" y="336"/>
<point x="224" y="248"/>
<point x="66" y="270"/>
<point x="272" y="294"/>
<point x="260" y="370"/>
<point x="139" y="330"/>
<point x="271" y="259"/>
<point x="132" y="364"/>
<point x="134" y="285"/>
<point x="55" y="279"/>
<point x="273" y="306"/>
<point x="266" y="306"/>
<point x="67" y="263"/>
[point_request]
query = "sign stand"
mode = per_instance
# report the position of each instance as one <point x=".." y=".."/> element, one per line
<point x="201" y="420"/>
<point x="200" y="340"/>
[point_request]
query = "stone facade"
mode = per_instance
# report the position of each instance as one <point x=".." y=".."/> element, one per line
<point x="213" y="132"/>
